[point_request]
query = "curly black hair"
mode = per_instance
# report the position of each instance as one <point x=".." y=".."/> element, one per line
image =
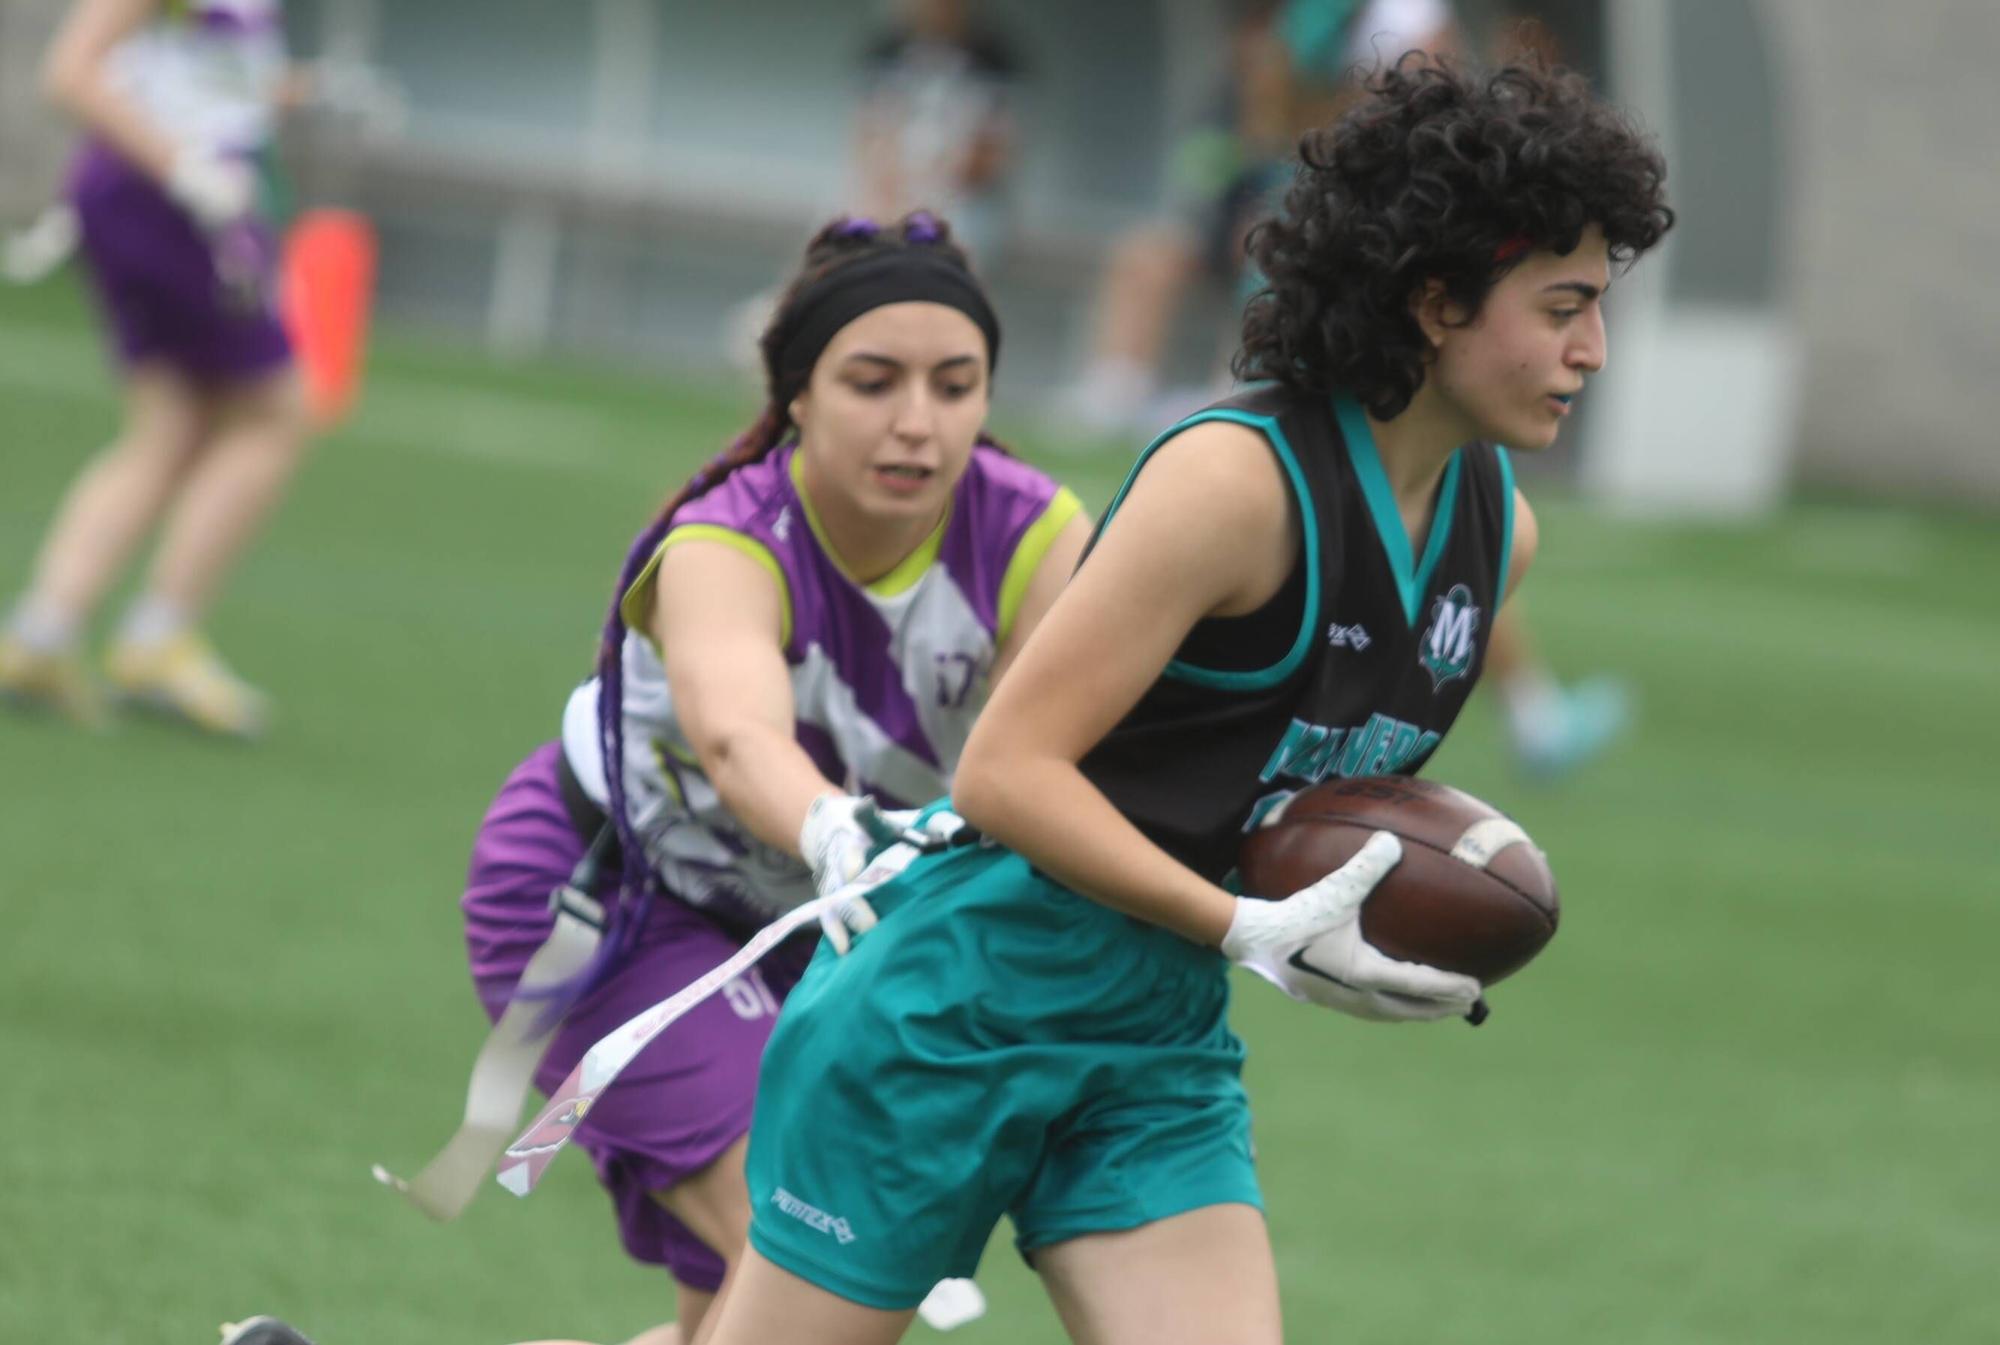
<point x="1436" y="174"/>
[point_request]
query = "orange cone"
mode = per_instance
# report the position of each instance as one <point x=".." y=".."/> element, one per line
<point x="327" y="289"/>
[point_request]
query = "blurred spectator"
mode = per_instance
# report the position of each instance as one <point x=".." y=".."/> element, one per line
<point x="1290" y="65"/>
<point x="935" y="129"/>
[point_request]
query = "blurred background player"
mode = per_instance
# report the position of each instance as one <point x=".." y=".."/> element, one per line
<point x="1039" y="1024"/>
<point x="1291" y="65"/>
<point x="935" y="129"/>
<point x="1294" y="65"/>
<point x="178" y="100"/>
<point x="805" y="633"/>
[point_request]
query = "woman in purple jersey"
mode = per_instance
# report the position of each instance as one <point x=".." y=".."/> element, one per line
<point x="177" y="99"/>
<point x="814" y="618"/>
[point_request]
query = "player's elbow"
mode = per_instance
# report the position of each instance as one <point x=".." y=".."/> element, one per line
<point x="726" y="754"/>
<point x="977" y="786"/>
<point x="60" y="81"/>
<point x="66" y="78"/>
<point x="991" y="788"/>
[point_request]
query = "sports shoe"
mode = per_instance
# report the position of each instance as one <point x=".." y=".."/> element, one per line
<point x="185" y="678"/>
<point x="1580" y="724"/>
<point x="55" y="683"/>
<point x="261" y="1331"/>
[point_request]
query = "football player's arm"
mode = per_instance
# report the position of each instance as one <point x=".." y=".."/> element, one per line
<point x="1527" y="536"/>
<point x="1208" y="528"/>
<point x="717" y="617"/>
<point x="1058" y="563"/>
<point x="73" y="79"/>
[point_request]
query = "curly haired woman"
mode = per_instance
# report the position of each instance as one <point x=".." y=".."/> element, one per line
<point x="1038" y="1025"/>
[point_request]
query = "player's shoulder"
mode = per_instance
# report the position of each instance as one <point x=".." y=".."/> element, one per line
<point x="756" y="498"/>
<point x="1221" y="470"/>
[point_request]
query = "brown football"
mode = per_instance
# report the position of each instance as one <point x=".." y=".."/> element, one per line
<point x="1472" y="893"/>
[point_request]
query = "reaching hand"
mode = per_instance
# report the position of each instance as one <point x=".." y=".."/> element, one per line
<point x="840" y="832"/>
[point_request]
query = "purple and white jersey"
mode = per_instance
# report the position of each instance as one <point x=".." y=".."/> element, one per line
<point x="205" y="72"/>
<point x="886" y="677"/>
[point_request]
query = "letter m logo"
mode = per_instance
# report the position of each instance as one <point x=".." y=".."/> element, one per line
<point x="1445" y="651"/>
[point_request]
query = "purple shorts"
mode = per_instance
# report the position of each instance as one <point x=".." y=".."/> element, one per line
<point x="171" y="293"/>
<point x="688" y="1096"/>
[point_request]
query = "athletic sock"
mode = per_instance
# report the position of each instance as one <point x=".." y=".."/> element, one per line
<point x="1110" y="395"/>
<point x="43" y="627"/>
<point x="1532" y="703"/>
<point x="152" y="621"/>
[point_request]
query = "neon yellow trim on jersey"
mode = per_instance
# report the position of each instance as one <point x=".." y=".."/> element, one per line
<point x="636" y="605"/>
<point x="660" y="753"/>
<point x="1029" y="553"/>
<point x="908" y="570"/>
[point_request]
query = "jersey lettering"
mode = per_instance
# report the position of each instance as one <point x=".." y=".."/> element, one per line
<point x="1383" y="746"/>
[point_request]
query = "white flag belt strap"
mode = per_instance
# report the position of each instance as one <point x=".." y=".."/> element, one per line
<point x="504" y="1070"/>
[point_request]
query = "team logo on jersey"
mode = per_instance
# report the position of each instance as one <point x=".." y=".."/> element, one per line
<point x="1445" y="651"/>
<point x="1353" y="637"/>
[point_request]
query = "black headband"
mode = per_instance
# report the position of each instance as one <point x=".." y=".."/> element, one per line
<point x="900" y="275"/>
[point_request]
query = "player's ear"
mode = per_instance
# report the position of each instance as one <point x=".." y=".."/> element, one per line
<point x="1435" y="311"/>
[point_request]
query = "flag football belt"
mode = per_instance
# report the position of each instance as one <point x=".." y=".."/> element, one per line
<point x="504" y="1070"/>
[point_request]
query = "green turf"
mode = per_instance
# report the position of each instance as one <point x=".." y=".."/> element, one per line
<point x="1751" y="1094"/>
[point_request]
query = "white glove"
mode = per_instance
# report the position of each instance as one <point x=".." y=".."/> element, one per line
<point x="1309" y="945"/>
<point x="839" y="833"/>
<point x="213" y="189"/>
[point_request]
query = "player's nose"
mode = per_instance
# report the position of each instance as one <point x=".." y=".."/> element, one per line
<point x="1589" y="351"/>
<point x="916" y="416"/>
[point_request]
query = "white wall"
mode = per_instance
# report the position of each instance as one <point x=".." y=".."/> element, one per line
<point x="1894" y="241"/>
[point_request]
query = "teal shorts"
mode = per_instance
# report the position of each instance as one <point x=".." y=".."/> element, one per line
<point x="997" y="1045"/>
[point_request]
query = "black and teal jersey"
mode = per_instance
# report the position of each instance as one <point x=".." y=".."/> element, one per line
<point x="1358" y="666"/>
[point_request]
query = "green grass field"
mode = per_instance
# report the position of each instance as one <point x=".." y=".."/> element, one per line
<point x="1751" y="1094"/>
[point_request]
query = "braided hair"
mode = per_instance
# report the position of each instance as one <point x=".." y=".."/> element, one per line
<point x="839" y="244"/>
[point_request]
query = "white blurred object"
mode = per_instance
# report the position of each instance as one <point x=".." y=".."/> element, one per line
<point x="951" y="1304"/>
<point x="37" y="251"/>
<point x="1699" y="412"/>
<point x="214" y="85"/>
<point x="743" y="331"/>
<point x="1176" y="403"/>
<point x="1111" y="397"/>
<point x="215" y="189"/>
<point x="361" y="92"/>
<point x="1696" y="412"/>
